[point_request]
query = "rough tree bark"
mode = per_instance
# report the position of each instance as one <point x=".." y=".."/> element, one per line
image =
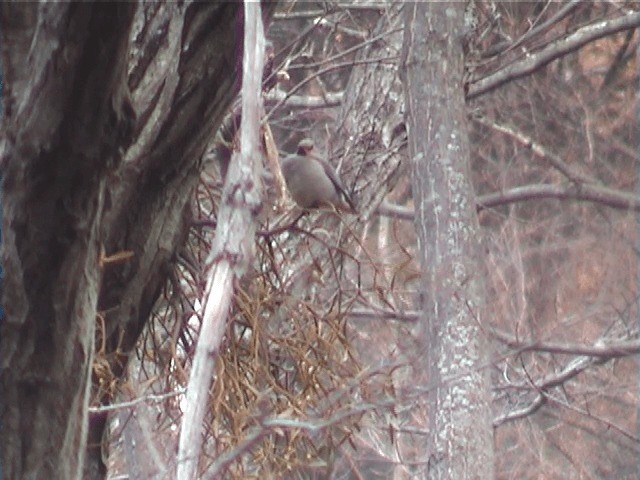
<point x="459" y="441"/>
<point x="84" y="180"/>
<point x="61" y="140"/>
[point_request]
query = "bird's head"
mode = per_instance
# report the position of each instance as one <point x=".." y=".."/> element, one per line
<point x="305" y="147"/>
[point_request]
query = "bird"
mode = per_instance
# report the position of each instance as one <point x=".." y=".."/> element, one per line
<point x="312" y="181"/>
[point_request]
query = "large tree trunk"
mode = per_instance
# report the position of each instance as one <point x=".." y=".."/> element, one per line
<point x="82" y="184"/>
<point x="458" y="444"/>
<point x="67" y="118"/>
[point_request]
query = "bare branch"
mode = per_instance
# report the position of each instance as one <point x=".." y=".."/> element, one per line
<point x="233" y="247"/>
<point x="338" y="66"/>
<point x="602" y="349"/>
<point x="538" y="149"/>
<point x="307" y="102"/>
<point x="268" y="425"/>
<point x="523" y="412"/>
<point x="550" y="22"/>
<point x="387" y="209"/>
<point x="136" y="401"/>
<point x="571" y="370"/>
<point x="596" y="354"/>
<point x="551" y="52"/>
<point x="586" y="192"/>
<point x="408" y="316"/>
<point x="606" y="196"/>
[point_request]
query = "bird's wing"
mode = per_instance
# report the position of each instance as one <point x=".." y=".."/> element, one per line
<point x="335" y="179"/>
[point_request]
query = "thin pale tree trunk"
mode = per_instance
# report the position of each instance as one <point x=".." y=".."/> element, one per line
<point x="234" y="244"/>
<point x="458" y="441"/>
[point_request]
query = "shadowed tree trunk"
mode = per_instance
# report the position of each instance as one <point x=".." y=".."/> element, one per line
<point x="61" y="140"/>
<point x="102" y="150"/>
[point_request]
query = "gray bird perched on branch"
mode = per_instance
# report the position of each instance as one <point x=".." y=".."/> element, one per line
<point x="312" y="181"/>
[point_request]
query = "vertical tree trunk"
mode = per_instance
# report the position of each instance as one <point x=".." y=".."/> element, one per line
<point x="458" y="444"/>
<point x="67" y="118"/>
<point x="637" y="246"/>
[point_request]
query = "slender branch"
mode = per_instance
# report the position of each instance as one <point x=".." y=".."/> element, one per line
<point x="387" y="209"/>
<point x="329" y="99"/>
<point x="136" y="401"/>
<point x="608" y="424"/>
<point x="601" y="348"/>
<point x="267" y="425"/>
<point x="538" y="149"/>
<point x="227" y="457"/>
<point x="587" y="192"/>
<point x="523" y="412"/>
<point x="550" y="22"/>
<point x="589" y="355"/>
<point x="571" y="370"/>
<point x="408" y="316"/>
<point x="551" y="52"/>
<point x="390" y="60"/>
<point x="331" y="60"/>
<point x="609" y="197"/>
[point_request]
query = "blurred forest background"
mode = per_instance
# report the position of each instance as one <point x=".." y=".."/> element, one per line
<point x="312" y="380"/>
